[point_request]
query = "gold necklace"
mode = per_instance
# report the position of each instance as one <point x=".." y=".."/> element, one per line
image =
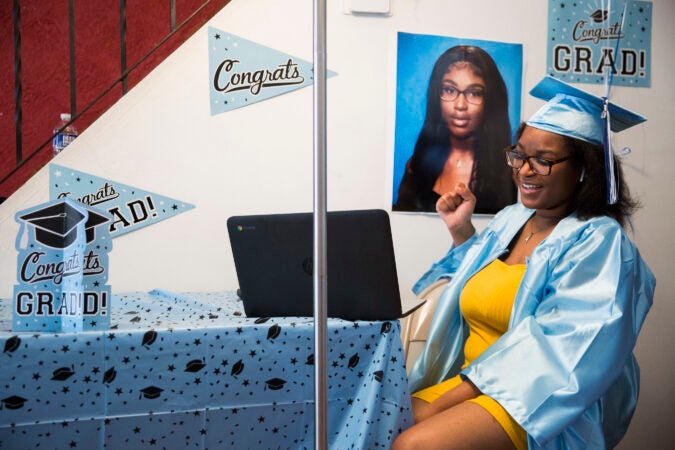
<point x="532" y="233"/>
<point x="462" y="162"/>
<point x="547" y="227"/>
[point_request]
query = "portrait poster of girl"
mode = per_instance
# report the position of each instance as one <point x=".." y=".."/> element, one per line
<point x="457" y="108"/>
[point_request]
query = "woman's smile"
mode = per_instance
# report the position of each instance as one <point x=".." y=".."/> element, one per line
<point x="529" y="188"/>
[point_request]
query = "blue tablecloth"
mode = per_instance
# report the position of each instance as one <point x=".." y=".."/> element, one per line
<point x="190" y="371"/>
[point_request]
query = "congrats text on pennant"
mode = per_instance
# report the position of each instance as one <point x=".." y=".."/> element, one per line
<point x="242" y="72"/>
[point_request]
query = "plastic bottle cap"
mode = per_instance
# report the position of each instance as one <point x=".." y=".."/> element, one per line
<point x="65" y="116"/>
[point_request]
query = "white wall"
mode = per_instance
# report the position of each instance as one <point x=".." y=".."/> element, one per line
<point x="162" y="138"/>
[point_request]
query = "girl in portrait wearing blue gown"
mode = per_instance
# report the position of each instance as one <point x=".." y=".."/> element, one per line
<point x="531" y="343"/>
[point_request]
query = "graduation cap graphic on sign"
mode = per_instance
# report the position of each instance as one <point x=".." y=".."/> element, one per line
<point x="95" y="219"/>
<point x="55" y="225"/>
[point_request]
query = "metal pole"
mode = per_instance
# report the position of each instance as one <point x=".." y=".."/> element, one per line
<point x="320" y="304"/>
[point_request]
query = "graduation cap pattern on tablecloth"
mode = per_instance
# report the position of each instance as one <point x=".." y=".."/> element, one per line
<point x="128" y="208"/>
<point x="243" y="72"/>
<point x="193" y="369"/>
<point x="13" y="402"/>
<point x="62" y="268"/>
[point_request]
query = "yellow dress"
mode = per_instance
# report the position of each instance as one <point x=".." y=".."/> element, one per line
<point x="486" y="303"/>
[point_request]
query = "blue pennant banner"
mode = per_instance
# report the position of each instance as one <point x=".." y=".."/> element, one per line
<point x="586" y="40"/>
<point x="242" y="72"/>
<point x="130" y="208"/>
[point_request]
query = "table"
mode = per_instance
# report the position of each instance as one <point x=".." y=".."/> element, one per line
<point x="190" y="371"/>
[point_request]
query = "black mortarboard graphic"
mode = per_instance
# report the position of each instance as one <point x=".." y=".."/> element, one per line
<point x="109" y="375"/>
<point x="237" y="367"/>
<point x="95" y="219"/>
<point x="151" y="392"/>
<point x="378" y="375"/>
<point x="275" y="384"/>
<point x="310" y="360"/>
<point x="149" y="338"/>
<point x="12" y="344"/>
<point x="55" y="225"/>
<point x="195" y="365"/>
<point x="14" y="402"/>
<point x="599" y="16"/>
<point x="353" y="361"/>
<point x="261" y="319"/>
<point x="274" y="332"/>
<point x="385" y="328"/>
<point x="62" y="373"/>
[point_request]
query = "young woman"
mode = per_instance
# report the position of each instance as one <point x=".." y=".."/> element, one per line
<point x="531" y="342"/>
<point x="465" y="128"/>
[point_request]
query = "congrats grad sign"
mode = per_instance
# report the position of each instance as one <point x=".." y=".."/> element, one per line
<point x="130" y="208"/>
<point x="62" y="268"/>
<point x="583" y="37"/>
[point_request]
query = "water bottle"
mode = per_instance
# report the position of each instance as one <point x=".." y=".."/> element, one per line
<point x="63" y="137"/>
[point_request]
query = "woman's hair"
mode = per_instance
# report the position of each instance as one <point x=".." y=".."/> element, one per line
<point x="491" y="176"/>
<point x="590" y="198"/>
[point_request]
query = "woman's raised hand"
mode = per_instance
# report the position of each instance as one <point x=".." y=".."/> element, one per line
<point x="455" y="208"/>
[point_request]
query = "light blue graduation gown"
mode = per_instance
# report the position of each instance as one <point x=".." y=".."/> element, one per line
<point x="564" y="370"/>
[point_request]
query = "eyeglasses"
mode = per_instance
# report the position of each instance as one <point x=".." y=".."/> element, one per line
<point x="540" y="166"/>
<point x="474" y="96"/>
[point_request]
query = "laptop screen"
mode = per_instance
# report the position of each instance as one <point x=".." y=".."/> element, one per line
<point x="273" y="260"/>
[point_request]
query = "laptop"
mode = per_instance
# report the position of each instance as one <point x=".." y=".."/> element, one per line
<point x="273" y="258"/>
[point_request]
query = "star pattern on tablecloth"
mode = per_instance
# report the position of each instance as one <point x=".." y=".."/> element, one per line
<point x="153" y="368"/>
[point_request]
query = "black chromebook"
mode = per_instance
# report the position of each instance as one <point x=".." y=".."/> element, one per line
<point x="273" y="260"/>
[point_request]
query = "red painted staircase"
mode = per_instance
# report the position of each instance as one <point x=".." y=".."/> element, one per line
<point x="77" y="57"/>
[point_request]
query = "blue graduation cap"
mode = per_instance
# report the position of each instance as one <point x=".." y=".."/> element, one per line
<point x="569" y="111"/>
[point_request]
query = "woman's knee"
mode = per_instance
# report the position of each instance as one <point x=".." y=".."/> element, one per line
<point x="408" y="440"/>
